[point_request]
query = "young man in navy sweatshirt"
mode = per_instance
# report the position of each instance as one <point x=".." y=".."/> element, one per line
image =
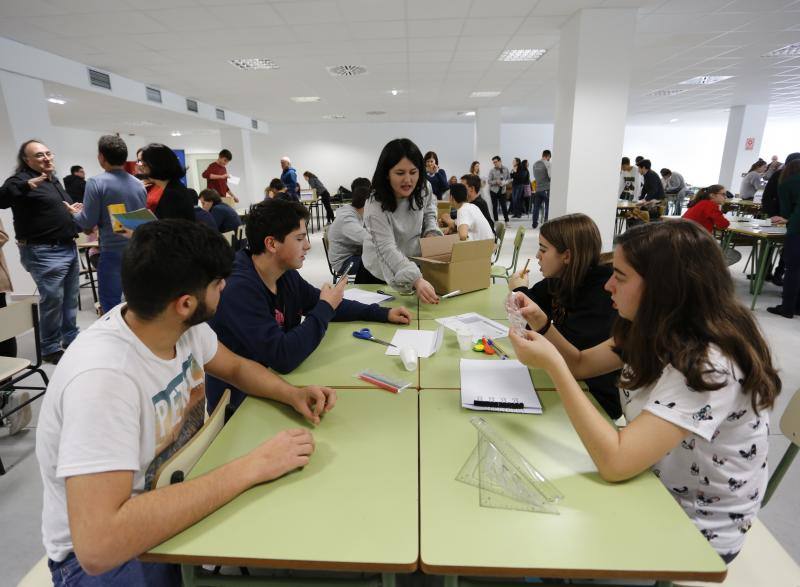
<point x="260" y="310"/>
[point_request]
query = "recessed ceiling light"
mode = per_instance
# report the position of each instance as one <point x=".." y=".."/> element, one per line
<point x="394" y="92"/>
<point x="705" y="80"/>
<point x="333" y="116"/>
<point x="673" y="120"/>
<point x="666" y="92"/>
<point x="305" y="99"/>
<point x="252" y="63"/>
<point x="175" y="133"/>
<point x="466" y="113"/>
<point x="346" y="70"/>
<point x="484" y="94"/>
<point x="55" y="100"/>
<point x="521" y="54"/>
<point x="793" y="49"/>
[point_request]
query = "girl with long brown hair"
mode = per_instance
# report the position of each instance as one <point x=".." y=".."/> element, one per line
<point x="697" y="379"/>
<point x="571" y="294"/>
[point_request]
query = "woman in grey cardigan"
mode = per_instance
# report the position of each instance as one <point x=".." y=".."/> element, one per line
<point x="401" y="210"/>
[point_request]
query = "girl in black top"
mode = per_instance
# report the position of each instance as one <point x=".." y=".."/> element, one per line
<point x="572" y="295"/>
<point x="520" y="177"/>
<point x="164" y="169"/>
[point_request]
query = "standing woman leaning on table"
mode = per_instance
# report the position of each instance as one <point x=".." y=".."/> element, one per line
<point x="697" y="379"/>
<point x="572" y="293"/>
<point x="789" y="195"/>
<point x="401" y="210"/>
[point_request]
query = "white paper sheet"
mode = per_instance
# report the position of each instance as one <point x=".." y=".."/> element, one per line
<point x="478" y="325"/>
<point x="498" y="382"/>
<point x="425" y="342"/>
<point x="365" y="297"/>
<point x="233" y="180"/>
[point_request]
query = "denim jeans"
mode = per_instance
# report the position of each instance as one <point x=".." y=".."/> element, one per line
<point x="54" y="268"/>
<point x="69" y="573"/>
<point x="517" y="200"/>
<point x="109" y="279"/>
<point x="539" y="198"/>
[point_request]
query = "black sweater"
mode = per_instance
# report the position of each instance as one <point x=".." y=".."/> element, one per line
<point x="585" y="323"/>
<point x="175" y="202"/>
<point x="40" y="216"/>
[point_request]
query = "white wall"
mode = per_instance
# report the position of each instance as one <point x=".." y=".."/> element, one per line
<point x="526" y="141"/>
<point x="781" y="137"/>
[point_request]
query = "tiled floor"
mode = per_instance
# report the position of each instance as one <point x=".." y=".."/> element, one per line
<point x="21" y="487"/>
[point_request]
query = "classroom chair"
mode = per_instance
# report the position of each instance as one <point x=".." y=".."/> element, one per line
<point x="325" y="245"/>
<point x="15" y="320"/>
<point x="500" y="234"/>
<point x="500" y="271"/>
<point x="229" y="236"/>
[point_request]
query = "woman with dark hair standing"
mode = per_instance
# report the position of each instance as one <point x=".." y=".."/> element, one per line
<point x="572" y="294"/>
<point x="789" y="195"/>
<point x="520" y="177"/>
<point x="753" y="181"/>
<point x="436" y="176"/>
<point x="322" y="193"/>
<point x="400" y="211"/>
<point x="705" y="209"/>
<point x="697" y="379"/>
<point x="168" y="198"/>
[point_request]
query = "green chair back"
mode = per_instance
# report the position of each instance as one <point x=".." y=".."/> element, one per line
<point x="325" y="243"/>
<point x="500" y="234"/>
<point x="790" y="426"/>
<point x="517" y="246"/>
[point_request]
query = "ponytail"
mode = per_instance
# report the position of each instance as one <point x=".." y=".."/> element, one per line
<point x="705" y="194"/>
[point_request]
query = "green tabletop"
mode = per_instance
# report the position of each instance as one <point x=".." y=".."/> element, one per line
<point x="354" y="507"/>
<point x="442" y="370"/>
<point x="340" y="356"/>
<point x="489" y="302"/>
<point x="633" y="529"/>
<point x="409" y="301"/>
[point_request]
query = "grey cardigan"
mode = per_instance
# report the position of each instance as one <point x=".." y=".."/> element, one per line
<point x="394" y="237"/>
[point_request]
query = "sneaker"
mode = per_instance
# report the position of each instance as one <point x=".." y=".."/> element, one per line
<point x="53" y="358"/>
<point x="21" y="418"/>
<point x="777" y="280"/>
<point x="778" y="310"/>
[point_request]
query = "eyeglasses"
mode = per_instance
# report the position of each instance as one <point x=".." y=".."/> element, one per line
<point x="47" y="154"/>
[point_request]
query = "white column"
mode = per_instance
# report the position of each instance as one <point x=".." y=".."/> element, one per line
<point x="23" y="116"/>
<point x="595" y="61"/>
<point x="487" y="137"/>
<point x="238" y="142"/>
<point x="742" y="143"/>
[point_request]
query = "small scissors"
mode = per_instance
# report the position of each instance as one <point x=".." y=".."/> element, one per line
<point x="365" y="334"/>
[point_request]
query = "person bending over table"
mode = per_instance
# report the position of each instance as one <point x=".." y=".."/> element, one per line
<point x="697" y="379"/>
<point x="402" y="209"/>
<point x="260" y="311"/>
<point x="129" y="394"/>
<point x="572" y="293"/>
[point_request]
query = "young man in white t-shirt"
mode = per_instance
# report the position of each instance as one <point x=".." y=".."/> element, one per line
<point x="470" y="222"/>
<point x="129" y="393"/>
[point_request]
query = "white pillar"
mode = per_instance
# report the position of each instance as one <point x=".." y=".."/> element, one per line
<point x="23" y="116"/>
<point x="239" y="143"/>
<point x="742" y="143"/>
<point x="487" y="137"/>
<point x="595" y="62"/>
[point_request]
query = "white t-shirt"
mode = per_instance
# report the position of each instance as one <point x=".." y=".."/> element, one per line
<point x="472" y="216"/>
<point x="112" y="405"/>
<point x="718" y="474"/>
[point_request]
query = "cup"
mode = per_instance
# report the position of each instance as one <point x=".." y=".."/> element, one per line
<point x="464" y="339"/>
<point x="409" y="358"/>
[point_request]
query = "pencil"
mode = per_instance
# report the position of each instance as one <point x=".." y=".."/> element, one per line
<point x="525" y="269"/>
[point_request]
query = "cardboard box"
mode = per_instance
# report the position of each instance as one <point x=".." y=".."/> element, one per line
<point x="450" y="264"/>
<point x="442" y="208"/>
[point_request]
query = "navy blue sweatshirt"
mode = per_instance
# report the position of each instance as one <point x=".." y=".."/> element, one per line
<point x="259" y="325"/>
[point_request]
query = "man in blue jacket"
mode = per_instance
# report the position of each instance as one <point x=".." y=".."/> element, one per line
<point x="289" y="178"/>
<point x="260" y="311"/>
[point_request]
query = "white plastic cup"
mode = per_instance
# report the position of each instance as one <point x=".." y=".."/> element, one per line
<point x="409" y="358"/>
<point x="464" y="339"/>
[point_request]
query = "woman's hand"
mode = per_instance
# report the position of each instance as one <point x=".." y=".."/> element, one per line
<point x="425" y="292"/>
<point x="534" y="350"/>
<point x="530" y="310"/>
<point x="518" y="279"/>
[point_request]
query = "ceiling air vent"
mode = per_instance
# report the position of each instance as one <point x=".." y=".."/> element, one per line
<point x="191" y="105"/>
<point x="346" y="70"/>
<point x="660" y="93"/>
<point x="220" y="114"/>
<point x="254" y="124"/>
<point x="99" y="79"/>
<point x="153" y="94"/>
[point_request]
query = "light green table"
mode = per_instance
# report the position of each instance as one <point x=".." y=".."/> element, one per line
<point x="340" y="356"/>
<point x="490" y="303"/>
<point x="409" y="301"/>
<point x="442" y="370"/>
<point x="353" y="508"/>
<point x="627" y="530"/>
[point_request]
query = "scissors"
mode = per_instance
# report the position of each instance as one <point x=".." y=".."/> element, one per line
<point x="365" y="334"/>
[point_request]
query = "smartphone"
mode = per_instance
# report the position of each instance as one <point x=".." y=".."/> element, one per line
<point x="343" y="275"/>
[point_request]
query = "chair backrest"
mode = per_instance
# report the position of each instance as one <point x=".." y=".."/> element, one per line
<point x="790" y="426"/>
<point x="500" y="234"/>
<point x="16" y="319"/>
<point x="325" y="245"/>
<point x="183" y="461"/>
<point x="517" y="246"/>
<point x="241" y="232"/>
<point x="229" y="236"/>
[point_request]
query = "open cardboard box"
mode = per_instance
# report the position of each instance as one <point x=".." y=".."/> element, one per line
<point x="450" y="264"/>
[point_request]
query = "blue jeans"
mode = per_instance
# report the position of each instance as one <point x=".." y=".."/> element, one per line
<point x="55" y="269"/>
<point x="517" y="200"/>
<point x="69" y="573"/>
<point x="540" y="198"/>
<point x="109" y="279"/>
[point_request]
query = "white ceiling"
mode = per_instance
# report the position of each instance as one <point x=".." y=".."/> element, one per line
<point x="435" y="52"/>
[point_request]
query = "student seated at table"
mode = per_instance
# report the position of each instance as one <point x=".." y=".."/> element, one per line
<point x="572" y="293"/>
<point x="265" y="298"/>
<point x="401" y="210"/>
<point x="276" y="190"/>
<point x="697" y="379"/>
<point x="225" y="217"/>
<point x="346" y="233"/>
<point x="705" y="208"/>
<point x="129" y="393"/>
<point x="469" y="223"/>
